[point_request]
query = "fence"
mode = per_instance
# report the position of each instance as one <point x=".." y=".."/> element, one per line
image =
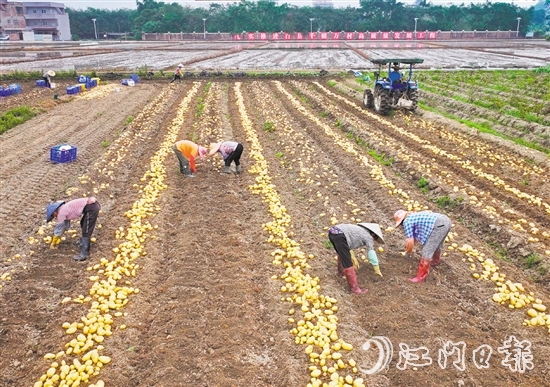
<point x="331" y="36"/>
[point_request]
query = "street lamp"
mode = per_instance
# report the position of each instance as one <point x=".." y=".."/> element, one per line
<point x="517" y="30"/>
<point x="415" y="20"/>
<point x="204" y="27"/>
<point x="95" y="29"/>
<point x="311" y="19"/>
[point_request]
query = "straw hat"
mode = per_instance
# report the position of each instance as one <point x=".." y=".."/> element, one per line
<point x="180" y="65"/>
<point x="375" y="228"/>
<point x="51" y="73"/>
<point x="214" y="147"/>
<point x="399" y="216"/>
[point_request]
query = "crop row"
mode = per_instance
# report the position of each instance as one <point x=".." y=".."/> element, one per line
<point x="512" y="106"/>
<point x="532" y="83"/>
<point x="489" y="270"/>
<point x="111" y="287"/>
<point x="450" y="149"/>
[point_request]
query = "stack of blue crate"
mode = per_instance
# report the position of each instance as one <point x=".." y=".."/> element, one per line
<point x="85" y="80"/>
<point x="12" y="89"/>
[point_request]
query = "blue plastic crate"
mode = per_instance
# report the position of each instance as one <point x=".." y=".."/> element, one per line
<point x="134" y="77"/>
<point x="83" y="79"/>
<point x="16" y="88"/>
<point x="58" y="155"/>
<point x="75" y="89"/>
<point x="40" y="83"/>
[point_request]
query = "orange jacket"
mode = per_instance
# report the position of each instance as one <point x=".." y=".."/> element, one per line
<point x="190" y="151"/>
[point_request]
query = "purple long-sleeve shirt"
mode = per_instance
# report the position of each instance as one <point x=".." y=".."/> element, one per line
<point x="227" y="147"/>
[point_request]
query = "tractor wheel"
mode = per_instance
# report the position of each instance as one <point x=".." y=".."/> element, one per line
<point x="368" y="99"/>
<point x="381" y="101"/>
<point x="413" y="96"/>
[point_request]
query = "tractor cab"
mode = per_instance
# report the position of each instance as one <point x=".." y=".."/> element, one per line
<point x="393" y="85"/>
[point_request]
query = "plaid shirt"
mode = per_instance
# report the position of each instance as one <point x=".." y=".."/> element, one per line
<point x="419" y="225"/>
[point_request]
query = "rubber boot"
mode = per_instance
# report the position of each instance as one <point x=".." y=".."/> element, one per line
<point x="226" y="170"/>
<point x="352" y="281"/>
<point x="436" y="259"/>
<point x="238" y="169"/>
<point x="423" y="269"/>
<point x="84" y="249"/>
<point x="340" y="268"/>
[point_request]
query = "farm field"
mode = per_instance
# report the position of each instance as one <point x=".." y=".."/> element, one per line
<point x="512" y="104"/>
<point x="252" y="56"/>
<point x="230" y="280"/>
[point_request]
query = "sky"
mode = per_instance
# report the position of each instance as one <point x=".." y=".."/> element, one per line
<point x="131" y="4"/>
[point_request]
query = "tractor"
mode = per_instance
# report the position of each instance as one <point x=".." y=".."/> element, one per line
<point x="394" y="90"/>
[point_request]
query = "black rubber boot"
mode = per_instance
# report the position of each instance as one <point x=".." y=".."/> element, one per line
<point x="84" y="250"/>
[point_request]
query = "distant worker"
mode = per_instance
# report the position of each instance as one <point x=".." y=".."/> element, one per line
<point x="231" y="151"/>
<point x="178" y="73"/>
<point x="186" y="152"/>
<point x="428" y="228"/>
<point x="48" y="78"/>
<point x="346" y="237"/>
<point x="64" y="212"/>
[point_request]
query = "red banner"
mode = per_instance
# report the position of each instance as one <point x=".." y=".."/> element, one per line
<point x="384" y="35"/>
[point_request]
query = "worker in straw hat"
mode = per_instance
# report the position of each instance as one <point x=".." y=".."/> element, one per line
<point x="187" y="151"/>
<point x="64" y="212"/>
<point x="428" y="228"/>
<point x="48" y="78"/>
<point x="178" y="73"/>
<point x="345" y="238"/>
<point x="231" y="151"/>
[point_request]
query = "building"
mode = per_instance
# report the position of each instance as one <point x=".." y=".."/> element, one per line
<point x="47" y="20"/>
<point x="323" y="4"/>
<point x="12" y="20"/>
<point x="34" y="21"/>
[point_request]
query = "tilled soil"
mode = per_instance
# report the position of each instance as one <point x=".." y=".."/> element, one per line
<point x="208" y="312"/>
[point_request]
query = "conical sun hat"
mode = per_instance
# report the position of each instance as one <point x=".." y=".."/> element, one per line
<point x="214" y="147"/>
<point x="375" y="228"/>
<point x="51" y="73"/>
<point x="51" y="209"/>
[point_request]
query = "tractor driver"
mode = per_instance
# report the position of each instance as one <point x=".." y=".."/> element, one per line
<point x="395" y="75"/>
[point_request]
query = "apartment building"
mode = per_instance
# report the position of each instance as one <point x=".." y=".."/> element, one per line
<point x="34" y="21"/>
<point x="12" y="20"/>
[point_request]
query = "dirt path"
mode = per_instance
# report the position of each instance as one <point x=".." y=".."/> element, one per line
<point x="205" y="306"/>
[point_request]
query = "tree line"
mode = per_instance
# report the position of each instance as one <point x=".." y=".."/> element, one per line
<point x="267" y="16"/>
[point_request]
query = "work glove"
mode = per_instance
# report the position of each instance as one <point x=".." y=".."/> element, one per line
<point x="55" y="241"/>
<point x="373" y="259"/>
<point x="409" y="245"/>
